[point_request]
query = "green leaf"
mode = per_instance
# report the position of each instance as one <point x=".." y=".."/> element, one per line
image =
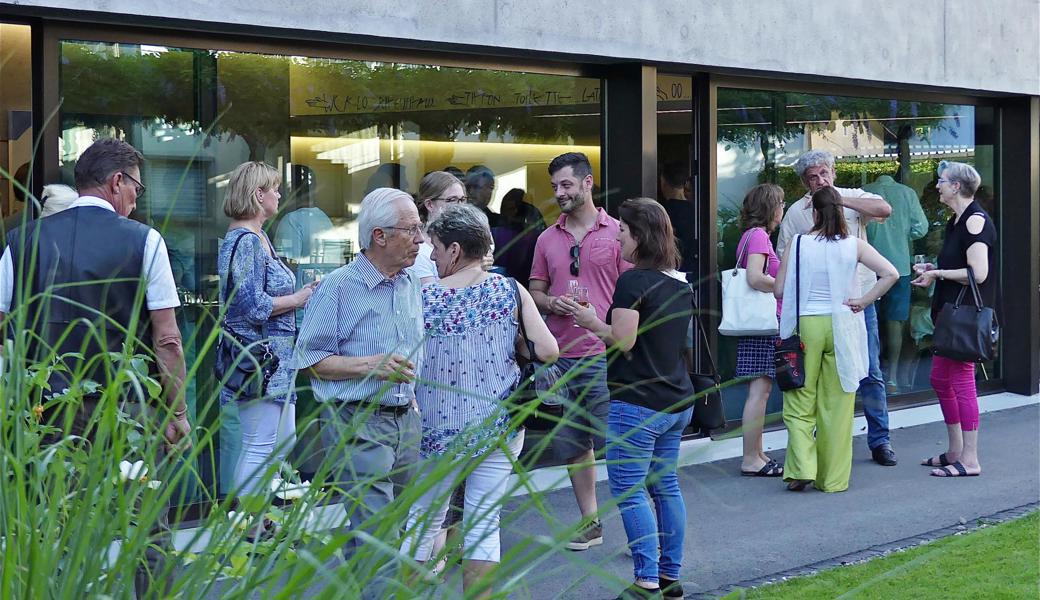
<point x="138" y="365"/>
<point x="153" y="386"/>
<point x="239" y="562"/>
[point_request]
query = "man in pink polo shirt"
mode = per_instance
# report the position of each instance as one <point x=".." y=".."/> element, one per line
<point x="582" y="246"/>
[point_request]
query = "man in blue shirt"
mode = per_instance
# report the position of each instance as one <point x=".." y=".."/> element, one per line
<point x="361" y="342"/>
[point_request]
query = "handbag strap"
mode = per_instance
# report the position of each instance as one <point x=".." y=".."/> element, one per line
<point x="742" y="251"/>
<point x="704" y="336"/>
<point x="520" y="316"/>
<point x="976" y="294"/>
<point x="797" y="283"/>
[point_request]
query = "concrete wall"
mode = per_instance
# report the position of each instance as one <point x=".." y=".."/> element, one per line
<point x="992" y="45"/>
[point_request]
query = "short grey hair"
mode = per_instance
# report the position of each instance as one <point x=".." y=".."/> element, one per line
<point x="377" y="211"/>
<point x="962" y="173"/>
<point x="813" y="158"/>
<point x="56" y="198"/>
<point x="465" y="225"/>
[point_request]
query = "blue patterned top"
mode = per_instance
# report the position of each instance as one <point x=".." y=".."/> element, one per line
<point x="252" y="303"/>
<point x="470" y="366"/>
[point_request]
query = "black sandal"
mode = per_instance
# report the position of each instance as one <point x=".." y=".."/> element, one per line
<point x="770" y="469"/>
<point x="961" y="471"/>
<point x="930" y="461"/>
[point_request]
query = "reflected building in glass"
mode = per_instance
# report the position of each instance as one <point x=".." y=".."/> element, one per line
<point x="693" y="110"/>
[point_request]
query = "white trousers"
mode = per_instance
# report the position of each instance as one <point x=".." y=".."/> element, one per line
<point x="485" y="491"/>
<point x="268" y="433"/>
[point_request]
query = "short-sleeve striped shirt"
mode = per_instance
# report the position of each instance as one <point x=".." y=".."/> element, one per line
<point x="357" y="311"/>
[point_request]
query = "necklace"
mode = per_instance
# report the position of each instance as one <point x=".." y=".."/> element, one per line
<point x="472" y="267"/>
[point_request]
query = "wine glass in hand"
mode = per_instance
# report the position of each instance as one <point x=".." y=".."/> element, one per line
<point x="581" y="296"/>
<point x="920" y="263"/>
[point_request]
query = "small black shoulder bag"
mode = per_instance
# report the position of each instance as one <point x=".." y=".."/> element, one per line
<point x="789" y="357"/>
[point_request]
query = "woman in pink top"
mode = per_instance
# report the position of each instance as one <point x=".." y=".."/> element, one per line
<point x="760" y="215"/>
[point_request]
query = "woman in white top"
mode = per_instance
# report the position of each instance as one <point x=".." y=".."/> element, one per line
<point x="437" y="191"/>
<point x="823" y="305"/>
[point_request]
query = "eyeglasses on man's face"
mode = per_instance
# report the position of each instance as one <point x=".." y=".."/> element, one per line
<point x="452" y="199"/>
<point x="576" y="263"/>
<point x="412" y="231"/>
<point x="138" y="186"/>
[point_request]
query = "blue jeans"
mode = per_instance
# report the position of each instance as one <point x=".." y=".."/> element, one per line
<point x="642" y="456"/>
<point x="872" y="387"/>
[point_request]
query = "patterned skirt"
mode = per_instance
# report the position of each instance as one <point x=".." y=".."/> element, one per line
<point x="755" y="356"/>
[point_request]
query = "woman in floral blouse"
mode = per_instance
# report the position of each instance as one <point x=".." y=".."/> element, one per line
<point x="470" y="369"/>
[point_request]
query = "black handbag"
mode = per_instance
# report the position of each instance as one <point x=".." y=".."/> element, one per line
<point x="536" y="379"/>
<point x="708" y="411"/>
<point x="964" y="332"/>
<point x="789" y="356"/>
<point x="243" y="368"/>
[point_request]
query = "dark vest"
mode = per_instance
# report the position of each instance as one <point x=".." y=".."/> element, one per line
<point x="79" y="271"/>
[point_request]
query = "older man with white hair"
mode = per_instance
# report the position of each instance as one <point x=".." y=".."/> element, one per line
<point x="816" y="169"/>
<point x="361" y="342"/>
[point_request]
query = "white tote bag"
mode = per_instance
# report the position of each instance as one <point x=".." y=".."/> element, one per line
<point x="745" y="310"/>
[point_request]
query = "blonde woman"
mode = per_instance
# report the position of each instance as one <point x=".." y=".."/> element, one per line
<point x="437" y="191"/>
<point x="260" y="304"/>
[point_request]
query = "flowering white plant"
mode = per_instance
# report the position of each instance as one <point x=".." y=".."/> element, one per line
<point x="136" y="471"/>
<point x="239" y="520"/>
<point x="132" y="470"/>
<point x="287" y="490"/>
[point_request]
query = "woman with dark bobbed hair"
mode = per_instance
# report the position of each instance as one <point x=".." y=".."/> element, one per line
<point x="649" y="395"/>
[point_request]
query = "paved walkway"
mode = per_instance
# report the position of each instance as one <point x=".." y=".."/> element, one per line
<point x="743" y="528"/>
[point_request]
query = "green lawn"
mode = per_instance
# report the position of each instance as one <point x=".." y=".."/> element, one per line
<point x="990" y="563"/>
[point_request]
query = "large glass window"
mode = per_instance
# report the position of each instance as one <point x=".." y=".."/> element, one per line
<point x="16" y="134"/>
<point x="336" y="129"/>
<point x="676" y="189"/>
<point x="878" y="143"/>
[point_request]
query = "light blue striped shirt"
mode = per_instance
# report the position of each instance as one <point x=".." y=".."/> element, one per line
<point x="356" y="311"/>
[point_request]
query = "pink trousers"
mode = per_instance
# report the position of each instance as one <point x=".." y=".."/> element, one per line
<point x="954" y="383"/>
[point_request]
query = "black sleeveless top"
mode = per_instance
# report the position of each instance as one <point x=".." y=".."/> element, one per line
<point x="954" y="255"/>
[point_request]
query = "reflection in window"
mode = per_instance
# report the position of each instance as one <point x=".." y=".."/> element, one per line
<point x="335" y="129"/>
<point x="16" y="133"/>
<point x="878" y="144"/>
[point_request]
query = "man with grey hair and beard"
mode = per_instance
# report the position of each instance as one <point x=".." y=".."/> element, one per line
<point x="361" y="342"/>
<point x="816" y="170"/>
